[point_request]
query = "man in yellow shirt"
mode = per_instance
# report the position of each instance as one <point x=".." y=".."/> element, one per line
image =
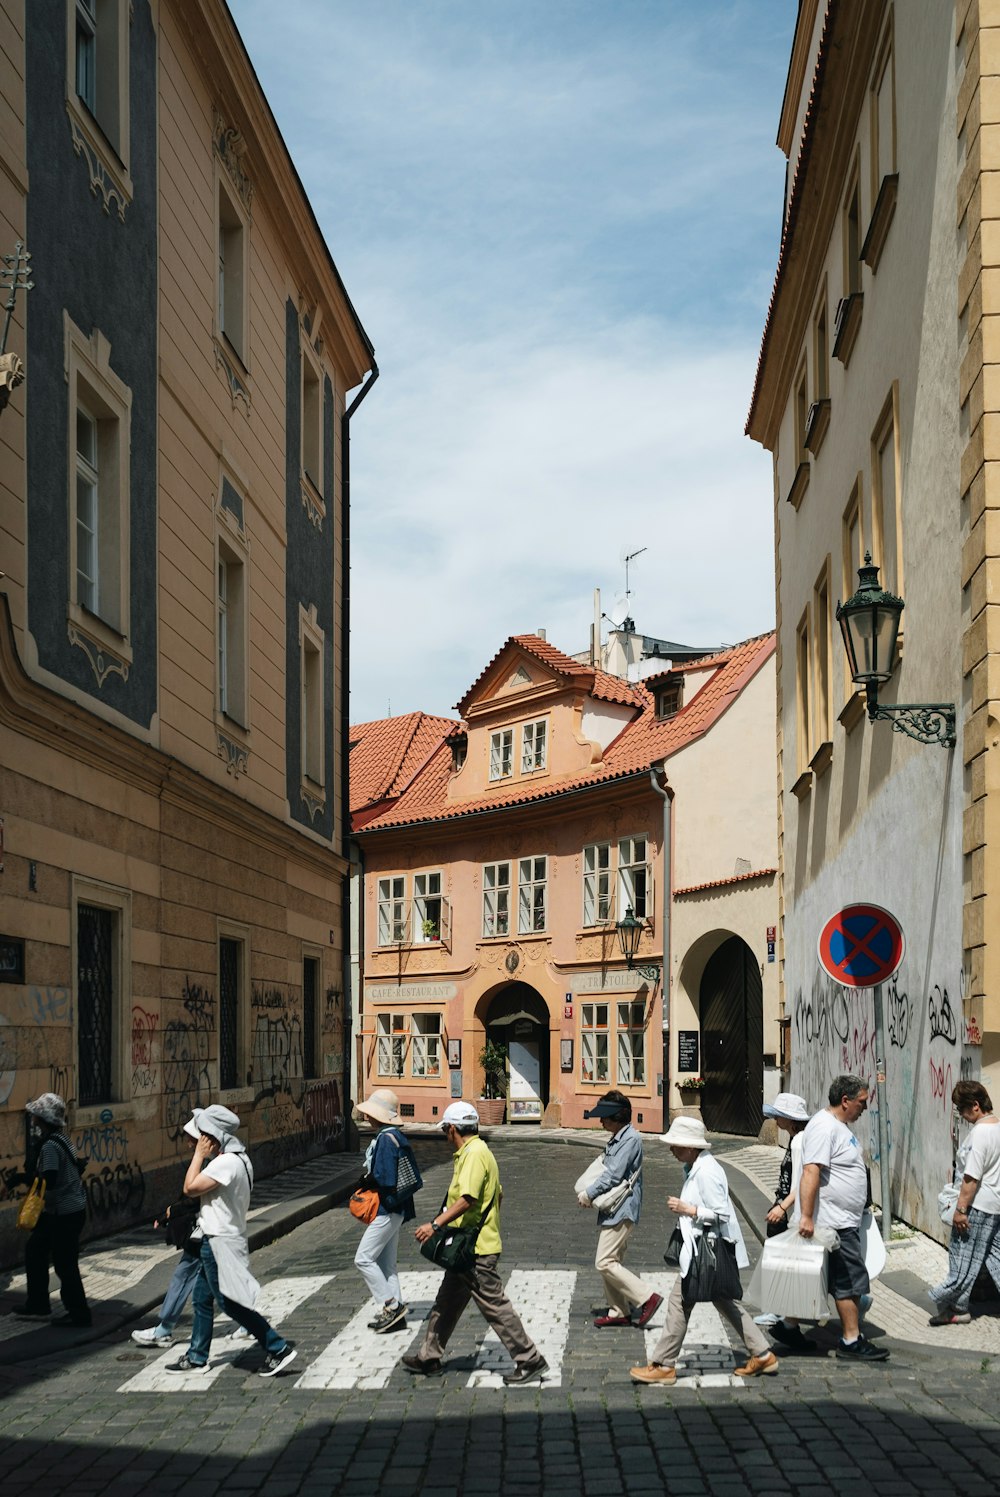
<point x="474" y="1197"/>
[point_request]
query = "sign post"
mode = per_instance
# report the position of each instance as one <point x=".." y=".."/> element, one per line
<point x="861" y="946"/>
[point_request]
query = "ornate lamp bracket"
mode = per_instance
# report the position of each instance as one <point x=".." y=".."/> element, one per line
<point x="927" y="722"/>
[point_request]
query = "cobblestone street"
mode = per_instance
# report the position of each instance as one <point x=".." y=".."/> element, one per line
<point x="346" y="1417"/>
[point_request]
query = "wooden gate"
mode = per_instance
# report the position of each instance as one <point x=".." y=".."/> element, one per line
<point x="732" y="1038"/>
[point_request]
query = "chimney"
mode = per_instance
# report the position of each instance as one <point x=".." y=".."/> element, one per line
<point x="540" y="633"/>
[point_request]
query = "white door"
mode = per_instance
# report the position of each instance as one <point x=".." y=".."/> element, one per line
<point x="525" y="1082"/>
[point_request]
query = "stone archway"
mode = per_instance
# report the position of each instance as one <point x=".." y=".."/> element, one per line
<point x="517" y="1018"/>
<point x="731" y="1010"/>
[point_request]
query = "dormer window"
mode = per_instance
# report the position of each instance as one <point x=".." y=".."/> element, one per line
<point x="534" y="746"/>
<point x="459" y="752"/>
<point x="502" y="754"/>
<point x="668" y="699"/>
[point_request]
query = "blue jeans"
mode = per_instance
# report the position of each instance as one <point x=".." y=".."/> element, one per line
<point x="206" y="1293"/>
<point x="184" y="1279"/>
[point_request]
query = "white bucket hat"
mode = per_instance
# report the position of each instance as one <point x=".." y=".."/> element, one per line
<point x="217" y="1121"/>
<point x="787" y="1105"/>
<point x="687" y="1133"/>
<point x="382" y="1105"/>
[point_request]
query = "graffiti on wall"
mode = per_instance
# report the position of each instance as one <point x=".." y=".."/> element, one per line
<point x="940" y="1018"/>
<point x="276" y="1057"/>
<point x="186" y="1082"/>
<point x="322" y="1114"/>
<point x="144" y="1026"/>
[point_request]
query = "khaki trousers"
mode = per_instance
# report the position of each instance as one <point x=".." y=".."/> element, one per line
<point x="622" y="1287"/>
<point x="666" y="1350"/>
<point x="486" y="1290"/>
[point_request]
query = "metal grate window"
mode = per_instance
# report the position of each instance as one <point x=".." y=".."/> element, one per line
<point x="310" y="988"/>
<point x="95" y="935"/>
<point x="229" y="1011"/>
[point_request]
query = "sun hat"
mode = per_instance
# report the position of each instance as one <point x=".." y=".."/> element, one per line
<point x="382" y="1105"/>
<point x="48" y="1108"/>
<point x="605" y="1109"/>
<point x="787" y="1105"/>
<point x="217" y="1121"/>
<point x="192" y="1130"/>
<point x="686" y="1133"/>
<point x="459" y="1115"/>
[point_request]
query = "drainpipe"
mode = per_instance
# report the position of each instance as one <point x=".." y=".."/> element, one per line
<point x="345" y="734"/>
<point x="667" y="796"/>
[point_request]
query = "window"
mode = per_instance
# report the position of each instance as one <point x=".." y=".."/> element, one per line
<point x="532" y="875"/>
<point x="391" y="910"/>
<point x="100" y="413"/>
<point x="886" y="516"/>
<point x="97" y="91"/>
<point x="668" y="699"/>
<point x="459" y="752"/>
<point x="802" y="413"/>
<point x="502" y="754"/>
<point x="496" y="899"/>
<point x="821" y="351"/>
<point x="312" y="422"/>
<point x="631" y="1044"/>
<point x="102" y="965"/>
<point x="391" y="1033"/>
<point x="232" y="981"/>
<point x="232" y="297"/>
<point x="232" y="630"/>
<point x="634" y="878"/>
<point x="803" y="737"/>
<point x="883" y="116"/>
<point x="311" y="643"/>
<point x="852" y="239"/>
<point x="821" y="641"/>
<point x="426" y="907"/>
<point x="597" y="883"/>
<point x="533" y="746"/>
<point x="311" y="971"/>
<point x="594" y="1042"/>
<point x="86" y="53"/>
<point x="425" y="1053"/>
<point x="852" y="537"/>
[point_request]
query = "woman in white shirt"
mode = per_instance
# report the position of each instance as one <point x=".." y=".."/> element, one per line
<point x="703" y="1205"/>
<point x="975" y="1234"/>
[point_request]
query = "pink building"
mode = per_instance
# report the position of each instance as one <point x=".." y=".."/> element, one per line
<point x="501" y="851"/>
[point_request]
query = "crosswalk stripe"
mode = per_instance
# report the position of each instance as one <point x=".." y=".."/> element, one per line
<point x="359" y="1358"/>
<point x="542" y="1298"/>
<point x="277" y="1301"/>
<point x="706" y="1359"/>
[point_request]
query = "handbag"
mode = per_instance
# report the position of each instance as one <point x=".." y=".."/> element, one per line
<point x="947" y="1201"/>
<point x="672" y="1256"/>
<point x="454" y="1248"/>
<point x="180" y="1222"/>
<point x="364" y="1205"/>
<point x="608" y="1200"/>
<point x="713" y="1273"/>
<point x="31" y="1207"/>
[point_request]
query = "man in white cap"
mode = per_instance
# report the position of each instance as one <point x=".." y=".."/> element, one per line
<point x="473" y="1200"/>
<point x="220" y="1176"/>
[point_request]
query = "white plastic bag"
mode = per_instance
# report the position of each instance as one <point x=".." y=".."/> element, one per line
<point x="593" y="1172"/>
<point x="791" y="1277"/>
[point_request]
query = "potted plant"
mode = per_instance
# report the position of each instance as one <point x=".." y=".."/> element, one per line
<point x="430" y="930"/>
<point x="691" y="1088"/>
<point x="491" y="1106"/>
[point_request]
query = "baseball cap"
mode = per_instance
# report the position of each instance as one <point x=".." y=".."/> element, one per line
<point x="459" y="1114"/>
<point x="605" y="1109"/>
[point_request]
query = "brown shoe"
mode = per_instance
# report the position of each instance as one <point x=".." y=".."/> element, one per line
<point x="654" y="1374"/>
<point x="767" y="1364"/>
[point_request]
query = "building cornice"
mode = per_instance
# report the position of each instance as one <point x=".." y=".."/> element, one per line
<point x="796" y="76"/>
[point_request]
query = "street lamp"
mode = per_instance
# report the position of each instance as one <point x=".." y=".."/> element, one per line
<point x="869" y="623"/>
<point x="629" y="933"/>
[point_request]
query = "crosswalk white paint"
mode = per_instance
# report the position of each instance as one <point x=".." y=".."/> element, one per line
<point x="542" y="1298"/>
<point x="706" y="1358"/>
<point x="278" y="1300"/>
<point x="357" y="1357"/>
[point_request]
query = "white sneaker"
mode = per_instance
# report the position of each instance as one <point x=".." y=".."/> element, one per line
<point x="240" y="1334"/>
<point x="154" y="1337"/>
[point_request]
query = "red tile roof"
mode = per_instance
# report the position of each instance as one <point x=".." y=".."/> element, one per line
<point x="534" y="645"/>
<point x="385" y="755"/>
<point x="724" y="883"/>
<point x="642" y="743"/>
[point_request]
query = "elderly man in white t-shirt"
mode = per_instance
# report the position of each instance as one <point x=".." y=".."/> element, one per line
<point x="220" y="1176"/>
<point x="833" y="1192"/>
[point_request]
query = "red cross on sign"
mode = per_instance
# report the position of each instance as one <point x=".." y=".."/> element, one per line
<point x="861" y="946"/>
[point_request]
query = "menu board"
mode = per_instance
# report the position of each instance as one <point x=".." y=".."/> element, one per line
<point x="687" y="1051"/>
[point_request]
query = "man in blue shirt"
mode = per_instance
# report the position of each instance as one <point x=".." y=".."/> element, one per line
<point x="622" y="1161"/>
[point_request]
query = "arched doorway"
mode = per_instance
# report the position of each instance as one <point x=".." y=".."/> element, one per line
<point x="732" y="1040"/>
<point x="518" y="1020"/>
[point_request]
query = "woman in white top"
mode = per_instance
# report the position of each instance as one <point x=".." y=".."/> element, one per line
<point x="975" y="1236"/>
<point x="703" y="1205"/>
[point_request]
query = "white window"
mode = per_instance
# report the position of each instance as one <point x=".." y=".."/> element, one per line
<point x="232" y="292"/>
<point x="502" y="754"/>
<point x="597" y="883"/>
<point x="425" y="1051"/>
<point x="312" y="422"/>
<point x="634" y="877"/>
<point x="231" y="625"/>
<point x="426" y="907"/>
<point x="534" y="746"/>
<point x="87" y="509"/>
<point x="532" y="876"/>
<point x="391" y="910"/>
<point x="496" y="899"/>
<point x="594" y="1042"/>
<point x="631" y="1044"/>
<point x="391" y="1034"/>
<point x="86" y="53"/>
<point x="312" y="648"/>
<point x="668" y="700"/>
<point x="97" y="93"/>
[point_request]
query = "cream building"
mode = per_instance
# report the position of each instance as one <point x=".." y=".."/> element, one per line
<point x="173" y="641"/>
<point x="876" y="392"/>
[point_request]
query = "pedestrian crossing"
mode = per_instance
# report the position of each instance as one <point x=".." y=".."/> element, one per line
<point x="357" y="1358"/>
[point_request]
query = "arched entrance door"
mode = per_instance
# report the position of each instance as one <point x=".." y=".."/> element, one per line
<point x="518" y="1020"/>
<point x="732" y="1040"/>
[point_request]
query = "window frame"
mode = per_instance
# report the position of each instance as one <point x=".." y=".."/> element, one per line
<point x="239" y="935"/>
<point x="312" y="699"/>
<point x="822" y="659"/>
<point x="311" y="428"/>
<point x="885" y="62"/>
<point x="594" y="876"/>
<point x="232" y="695"/>
<point x="390" y="900"/>
<point x="231" y="322"/>
<point x="624" y="882"/>
<point x="532" y="733"/>
<point x="102" y="134"/>
<point x="501" y="752"/>
<point x="852" y="215"/>
<point x="803" y="690"/>
<point x="426" y="1043"/>
<point x="594" y="1029"/>
<point x="535" y="884"/>
<point x="502" y="891"/>
<point x="886" y="430"/>
<point x="634" y="1054"/>
<point x="422" y="899"/>
<point x="91" y="892"/>
<point x="851" y="561"/>
<point x="312" y="955"/>
<point x="391" y="1036"/>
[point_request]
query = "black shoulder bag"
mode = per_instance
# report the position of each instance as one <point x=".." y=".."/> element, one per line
<point x="454" y="1248"/>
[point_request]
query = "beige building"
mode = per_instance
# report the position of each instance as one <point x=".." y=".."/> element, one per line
<point x="173" y="641"/>
<point x="876" y="392"/>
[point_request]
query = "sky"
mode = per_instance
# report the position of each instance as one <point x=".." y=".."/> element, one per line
<point x="558" y="221"/>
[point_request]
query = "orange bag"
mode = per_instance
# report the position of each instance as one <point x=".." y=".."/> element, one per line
<point x="364" y="1205"/>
